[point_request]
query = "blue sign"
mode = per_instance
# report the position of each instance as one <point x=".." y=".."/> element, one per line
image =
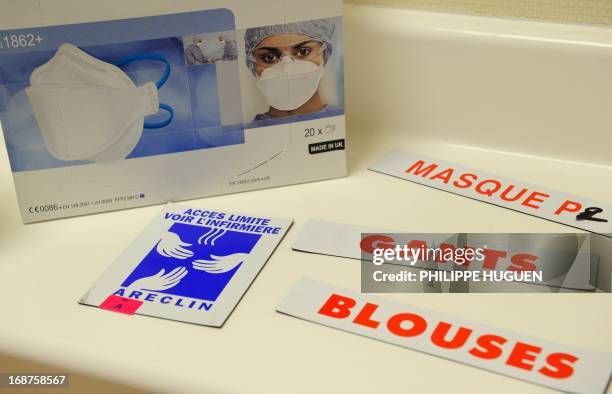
<point x="192" y="261"/>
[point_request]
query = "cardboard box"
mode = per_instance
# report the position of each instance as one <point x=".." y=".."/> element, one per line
<point x="117" y="105"/>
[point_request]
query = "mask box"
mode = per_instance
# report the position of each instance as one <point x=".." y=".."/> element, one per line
<point x="111" y="105"/>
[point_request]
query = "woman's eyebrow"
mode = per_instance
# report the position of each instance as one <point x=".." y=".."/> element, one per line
<point x="299" y="44"/>
<point x="269" y="49"/>
<point x="294" y="46"/>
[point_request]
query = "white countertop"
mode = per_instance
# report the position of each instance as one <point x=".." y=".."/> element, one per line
<point x="46" y="267"/>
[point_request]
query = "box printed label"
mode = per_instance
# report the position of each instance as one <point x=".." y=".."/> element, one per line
<point x="145" y="106"/>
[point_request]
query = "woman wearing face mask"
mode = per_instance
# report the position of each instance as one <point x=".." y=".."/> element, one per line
<point x="288" y="62"/>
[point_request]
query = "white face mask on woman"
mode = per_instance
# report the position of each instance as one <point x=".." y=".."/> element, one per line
<point x="88" y="109"/>
<point x="290" y="83"/>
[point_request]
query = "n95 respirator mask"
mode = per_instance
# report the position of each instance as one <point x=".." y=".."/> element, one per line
<point x="213" y="49"/>
<point x="290" y="83"/>
<point x="88" y="109"/>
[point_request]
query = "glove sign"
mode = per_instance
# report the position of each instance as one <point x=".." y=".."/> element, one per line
<point x="88" y="109"/>
<point x="160" y="281"/>
<point x="220" y="264"/>
<point x="171" y="245"/>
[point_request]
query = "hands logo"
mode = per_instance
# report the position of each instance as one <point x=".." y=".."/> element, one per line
<point x="192" y="261"/>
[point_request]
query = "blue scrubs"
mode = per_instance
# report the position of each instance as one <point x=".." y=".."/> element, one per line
<point x="193" y="55"/>
<point x="230" y="52"/>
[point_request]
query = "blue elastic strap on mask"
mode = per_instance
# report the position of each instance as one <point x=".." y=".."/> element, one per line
<point x="162" y="123"/>
<point x="159" y="84"/>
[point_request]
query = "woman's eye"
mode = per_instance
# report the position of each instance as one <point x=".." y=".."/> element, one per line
<point x="302" y="52"/>
<point x="269" y="58"/>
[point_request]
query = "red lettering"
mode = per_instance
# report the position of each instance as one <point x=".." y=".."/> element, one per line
<point x="447" y="250"/>
<point x="561" y="365"/>
<point x="416" y="244"/>
<point x="438" y="336"/>
<point x="364" y="317"/>
<point x="337" y="306"/>
<point x="523" y="262"/>
<point x="371" y="242"/>
<point x="522" y="353"/>
<point x="535" y="197"/>
<point x="569" y="206"/>
<point x="487" y="191"/>
<point x="491" y="256"/>
<point x="417" y="168"/>
<point x="504" y="195"/>
<point x="489" y="347"/>
<point x="466" y="182"/>
<point x="419" y="325"/>
<point x="445" y="175"/>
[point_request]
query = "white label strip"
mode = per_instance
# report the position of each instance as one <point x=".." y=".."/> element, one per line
<point x="553" y="205"/>
<point x="344" y="240"/>
<point x="519" y="356"/>
<point x="333" y="239"/>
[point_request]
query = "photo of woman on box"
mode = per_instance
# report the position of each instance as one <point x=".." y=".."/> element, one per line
<point x="288" y="62"/>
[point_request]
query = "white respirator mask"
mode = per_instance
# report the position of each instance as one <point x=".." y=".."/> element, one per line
<point x="88" y="109"/>
<point x="213" y="49"/>
<point x="290" y="83"/>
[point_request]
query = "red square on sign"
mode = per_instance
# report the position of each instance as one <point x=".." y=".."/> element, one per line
<point x="118" y="304"/>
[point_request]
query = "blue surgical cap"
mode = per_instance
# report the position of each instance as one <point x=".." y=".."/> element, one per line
<point x="322" y="30"/>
